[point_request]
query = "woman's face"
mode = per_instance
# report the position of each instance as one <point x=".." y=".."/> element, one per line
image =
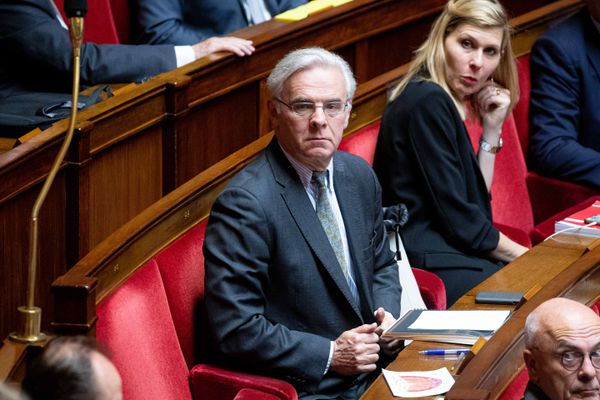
<point x="472" y="55"/>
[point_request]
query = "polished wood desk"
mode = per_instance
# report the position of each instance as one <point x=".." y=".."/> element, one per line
<point x="559" y="266"/>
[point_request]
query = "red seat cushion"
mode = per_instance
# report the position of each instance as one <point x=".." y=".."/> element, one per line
<point x="181" y="267"/>
<point x="209" y="382"/>
<point x="135" y="323"/>
<point x="516" y="389"/>
<point x="362" y="142"/>
<point x="521" y="110"/>
<point x="510" y="199"/>
<point x="432" y="289"/>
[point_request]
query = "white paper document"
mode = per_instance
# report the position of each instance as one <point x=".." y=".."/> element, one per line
<point x="475" y="320"/>
<point x="418" y="383"/>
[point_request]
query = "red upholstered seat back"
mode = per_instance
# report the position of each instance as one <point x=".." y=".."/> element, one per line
<point x="99" y="26"/>
<point x="363" y="142"/>
<point x="135" y="323"/>
<point x="121" y="11"/>
<point x="521" y="110"/>
<point x="181" y="267"/>
<point x="510" y="198"/>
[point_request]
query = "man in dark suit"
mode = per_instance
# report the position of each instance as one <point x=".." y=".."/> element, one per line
<point x="300" y="280"/>
<point x="565" y="99"/>
<point x="562" y="351"/>
<point x="190" y="21"/>
<point x="37" y="57"/>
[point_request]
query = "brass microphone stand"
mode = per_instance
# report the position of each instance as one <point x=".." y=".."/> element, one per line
<point x="30" y="315"/>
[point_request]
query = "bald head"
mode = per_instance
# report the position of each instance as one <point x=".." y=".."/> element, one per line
<point x="556" y="333"/>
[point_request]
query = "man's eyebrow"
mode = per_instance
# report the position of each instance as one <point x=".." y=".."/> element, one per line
<point x="307" y="100"/>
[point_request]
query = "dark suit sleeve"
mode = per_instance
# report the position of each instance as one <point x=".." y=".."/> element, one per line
<point x="237" y="252"/>
<point x="161" y="21"/>
<point x="433" y="138"/>
<point x="34" y="39"/>
<point x="555" y="115"/>
<point x="279" y="6"/>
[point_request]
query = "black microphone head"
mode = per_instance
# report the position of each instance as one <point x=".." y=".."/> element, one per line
<point x="75" y="8"/>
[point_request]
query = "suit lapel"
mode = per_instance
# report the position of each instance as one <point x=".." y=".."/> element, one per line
<point x="351" y="206"/>
<point x="303" y="213"/>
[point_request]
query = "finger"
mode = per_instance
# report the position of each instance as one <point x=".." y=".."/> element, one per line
<point x="366" y="328"/>
<point x="379" y="315"/>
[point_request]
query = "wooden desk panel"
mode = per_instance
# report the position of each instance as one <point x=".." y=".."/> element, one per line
<point x="549" y="265"/>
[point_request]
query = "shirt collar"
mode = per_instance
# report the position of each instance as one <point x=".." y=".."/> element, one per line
<point x="305" y="173"/>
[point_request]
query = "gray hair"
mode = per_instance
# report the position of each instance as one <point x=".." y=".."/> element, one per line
<point x="303" y="59"/>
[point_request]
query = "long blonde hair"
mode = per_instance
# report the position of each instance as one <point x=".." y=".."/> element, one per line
<point x="429" y="62"/>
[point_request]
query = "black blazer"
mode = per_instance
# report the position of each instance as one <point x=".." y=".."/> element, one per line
<point x="37" y="56"/>
<point x="275" y="294"/>
<point x="424" y="159"/>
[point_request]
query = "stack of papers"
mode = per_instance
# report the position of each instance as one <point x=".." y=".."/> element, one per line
<point x="303" y="11"/>
<point x="448" y="326"/>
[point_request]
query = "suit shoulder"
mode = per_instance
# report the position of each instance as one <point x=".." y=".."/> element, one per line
<point x="421" y="95"/>
<point x="567" y="34"/>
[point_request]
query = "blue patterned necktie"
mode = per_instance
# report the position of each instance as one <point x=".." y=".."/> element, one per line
<point x="331" y="227"/>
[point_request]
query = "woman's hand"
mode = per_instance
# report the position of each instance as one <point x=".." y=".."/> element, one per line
<point x="493" y="103"/>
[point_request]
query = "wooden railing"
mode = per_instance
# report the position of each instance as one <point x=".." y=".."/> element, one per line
<point x="133" y="149"/>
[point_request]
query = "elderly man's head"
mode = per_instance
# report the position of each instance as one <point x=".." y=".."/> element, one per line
<point x="311" y="97"/>
<point x="562" y="340"/>
<point x="73" y="368"/>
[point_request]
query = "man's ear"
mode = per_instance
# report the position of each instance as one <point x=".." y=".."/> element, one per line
<point x="531" y="364"/>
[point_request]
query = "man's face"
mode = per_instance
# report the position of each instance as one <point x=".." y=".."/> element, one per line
<point x="546" y="362"/>
<point x="311" y="139"/>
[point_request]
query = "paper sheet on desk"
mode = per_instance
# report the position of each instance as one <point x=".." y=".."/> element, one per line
<point x="418" y="383"/>
<point x="484" y="320"/>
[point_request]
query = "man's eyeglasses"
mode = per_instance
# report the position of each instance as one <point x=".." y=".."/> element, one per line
<point x="573" y="360"/>
<point x="306" y="109"/>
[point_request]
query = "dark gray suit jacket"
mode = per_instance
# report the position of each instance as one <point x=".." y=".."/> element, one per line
<point x="191" y="21"/>
<point x="275" y="294"/>
<point x="37" y="57"/>
<point x="565" y="102"/>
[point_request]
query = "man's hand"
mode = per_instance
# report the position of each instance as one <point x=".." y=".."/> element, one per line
<point x="240" y="47"/>
<point x="355" y="351"/>
<point x="390" y="346"/>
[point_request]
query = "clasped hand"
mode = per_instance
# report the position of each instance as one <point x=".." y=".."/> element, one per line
<point x="357" y="350"/>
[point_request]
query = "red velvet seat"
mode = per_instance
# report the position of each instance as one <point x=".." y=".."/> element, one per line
<point x="563" y="194"/>
<point x="153" y="325"/>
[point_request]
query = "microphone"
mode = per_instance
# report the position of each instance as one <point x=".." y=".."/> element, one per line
<point x="76" y="10"/>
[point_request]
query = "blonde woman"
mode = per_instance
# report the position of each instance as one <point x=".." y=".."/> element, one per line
<point x="424" y="158"/>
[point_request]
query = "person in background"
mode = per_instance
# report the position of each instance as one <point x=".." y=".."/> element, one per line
<point x="189" y="21"/>
<point x="72" y="368"/>
<point x="300" y="280"/>
<point x="562" y="351"/>
<point x="424" y="157"/>
<point x="37" y="56"/>
<point x="565" y="99"/>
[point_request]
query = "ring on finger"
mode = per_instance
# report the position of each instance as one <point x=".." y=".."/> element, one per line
<point x="497" y="92"/>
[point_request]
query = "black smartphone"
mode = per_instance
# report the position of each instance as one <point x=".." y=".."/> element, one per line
<point x="498" y="297"/>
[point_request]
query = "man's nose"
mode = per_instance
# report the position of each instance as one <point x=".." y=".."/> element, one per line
<point x="587" y="370"/>
<point x="318" y="118"/>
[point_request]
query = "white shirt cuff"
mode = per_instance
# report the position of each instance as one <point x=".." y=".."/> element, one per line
<point x="331" y="348"/>
<point x="184" y="55"/>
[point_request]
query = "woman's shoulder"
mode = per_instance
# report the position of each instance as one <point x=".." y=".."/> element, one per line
<point x="422" y="94"/>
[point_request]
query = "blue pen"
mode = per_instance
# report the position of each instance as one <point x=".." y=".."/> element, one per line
<point x="443" y="352"/>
